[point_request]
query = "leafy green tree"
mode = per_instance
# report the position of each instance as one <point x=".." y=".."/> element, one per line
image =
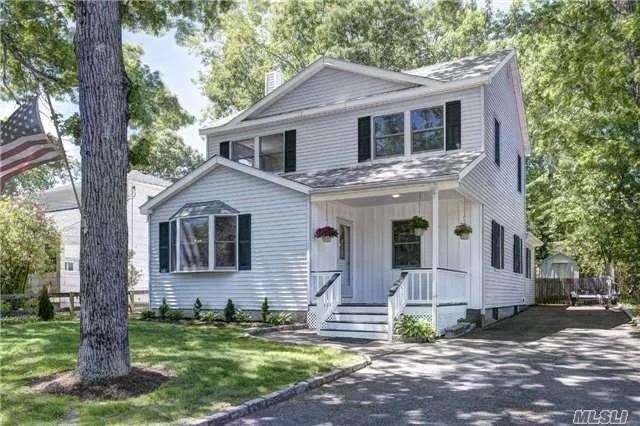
<point x="30" y="243"/>
<point x="45" y="307"/>
<point x="163" y="154"/>
<point x="42" y="178"/>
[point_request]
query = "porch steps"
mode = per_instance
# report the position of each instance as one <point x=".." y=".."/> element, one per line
<point x="357" y="321"/>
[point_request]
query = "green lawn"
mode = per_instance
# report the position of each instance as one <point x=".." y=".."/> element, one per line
<point x="214" y="368"/>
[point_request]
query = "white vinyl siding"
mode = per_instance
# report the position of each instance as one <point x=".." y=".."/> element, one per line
<point x="328" y="87"/>
<point x="494" y="186"/>
<point x="279" y="244"/>
<point x="332" y="141"/>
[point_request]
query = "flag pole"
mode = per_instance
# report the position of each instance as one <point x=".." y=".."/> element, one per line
<point x="54" y="118"/>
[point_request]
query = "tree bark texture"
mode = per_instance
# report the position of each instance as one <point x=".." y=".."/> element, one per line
<point x="104" y="86"/>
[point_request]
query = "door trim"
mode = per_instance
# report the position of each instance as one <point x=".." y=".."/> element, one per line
<point x="349" y="223"/>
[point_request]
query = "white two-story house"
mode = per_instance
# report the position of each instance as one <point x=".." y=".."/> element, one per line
<point x="362" y="150"/>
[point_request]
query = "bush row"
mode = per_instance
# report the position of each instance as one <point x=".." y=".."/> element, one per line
<point x="229" y="314"/>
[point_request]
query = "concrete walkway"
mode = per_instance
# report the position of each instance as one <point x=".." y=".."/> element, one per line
<point x="537" y="367"/>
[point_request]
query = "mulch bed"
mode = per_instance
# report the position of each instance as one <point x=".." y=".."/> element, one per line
<point x="138" y="382"/>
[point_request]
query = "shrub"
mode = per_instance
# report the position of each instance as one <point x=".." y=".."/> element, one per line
<point x="174" y="315"/>
<point x="279" y="318"/>
<point x="462" y="229"/>
<point x="210" y="316"/>
<point x="148" y="315"/>
<point x="45" y="307"/>
<point x="197" y="307"/>
<point x="243" y="316"/>
<point x="30" y="305"/>
<point x="5" y="309"/>
<point x="163" y="309"/>
<point x="265" y="310"/>
<point x="412" y="326"/>
<point x="229" y="311"/>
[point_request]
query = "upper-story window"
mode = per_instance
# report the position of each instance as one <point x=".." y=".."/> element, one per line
<point x="272" y="153"/>
<point x="389" y="135"/>
<point x="243" y="152"/>
<point x="427" y="129"/>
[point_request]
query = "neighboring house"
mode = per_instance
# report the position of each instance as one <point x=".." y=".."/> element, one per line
<point x="559" y="266"/>
<point x="363" y="150"/>
<point x="60" y="205"/>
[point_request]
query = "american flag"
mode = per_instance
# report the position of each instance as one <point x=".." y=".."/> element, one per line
<point x="24" y="143"/>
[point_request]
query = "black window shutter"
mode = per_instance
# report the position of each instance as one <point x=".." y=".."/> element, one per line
<point x="494" y="245"/>
<point x="501" y="247"/>
<point x="172" y="249"/>
<point x="527" y="262"/>
<point x="290" y="151"/>
<point x="163" y="246"/>
<point x="364" y="139"/>
<point x="519" y="173"/>
<point x="496" y="136"/>
<point x="244" y="242"/>
<point x="224" y="149"/>
<point x="452" y="121"/>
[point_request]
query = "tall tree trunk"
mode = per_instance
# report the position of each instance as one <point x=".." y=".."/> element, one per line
<point x="104" y="86"/>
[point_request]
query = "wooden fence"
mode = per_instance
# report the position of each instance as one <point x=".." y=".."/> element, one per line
<point x="558" y="290"/>
<point x="73" y="299"/>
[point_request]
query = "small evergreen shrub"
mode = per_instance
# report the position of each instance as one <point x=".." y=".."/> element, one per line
<point x="210" y="316"/>
<point x="197" y="307"/>
<point x="147" y="315"/>
<point x="279" y="318"/>
<point x="265" y="310"/>
<point x="229" y="312"/>
<point x="5" y="309"/>
<point x="242" y="316"/>
<point x="174" y="315"/>
<point x="412" y="326"/>
<point x="45" y="307"/>
<point x="163" y="309"/>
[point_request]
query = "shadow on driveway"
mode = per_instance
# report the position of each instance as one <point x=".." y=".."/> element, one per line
<point x="537" y="367"/>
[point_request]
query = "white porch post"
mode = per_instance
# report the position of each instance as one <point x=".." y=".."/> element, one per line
<point x="434" y="257"/>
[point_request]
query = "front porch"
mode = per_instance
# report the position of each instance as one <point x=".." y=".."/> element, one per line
<point x="376" y="270"/>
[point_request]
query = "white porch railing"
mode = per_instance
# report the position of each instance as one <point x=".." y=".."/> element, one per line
<point x="316" y="280"/>
<point x="327" y="298"/>
<point x="452" y="287"/>
<point x="396" y="301"/>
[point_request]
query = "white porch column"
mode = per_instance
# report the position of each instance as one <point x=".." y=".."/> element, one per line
<point x="435" y="251"/>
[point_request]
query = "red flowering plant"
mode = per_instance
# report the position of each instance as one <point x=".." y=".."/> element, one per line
<point x="326" y="233"/>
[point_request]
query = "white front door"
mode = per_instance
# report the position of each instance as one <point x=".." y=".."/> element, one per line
<point x="344" y="257"/>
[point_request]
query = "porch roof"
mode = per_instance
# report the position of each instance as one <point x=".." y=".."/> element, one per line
<point x="432" y="167"/>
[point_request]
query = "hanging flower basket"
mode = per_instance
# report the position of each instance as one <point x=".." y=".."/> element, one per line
<point x="418" y="225"/>
<point x="326" y="233"/>
<point x="463" y="231"/>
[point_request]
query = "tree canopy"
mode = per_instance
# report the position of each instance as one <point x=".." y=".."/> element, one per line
<point x="581" y="77"/>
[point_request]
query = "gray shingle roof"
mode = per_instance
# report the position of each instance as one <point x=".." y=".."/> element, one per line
<point x="469" y="67"/>
<point x="415" y="169"/>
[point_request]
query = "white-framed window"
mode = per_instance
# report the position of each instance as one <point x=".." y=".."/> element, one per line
<point x="427" y="129"/>
<point x="194" y="243"/>
<point x="68" y="266"/>
<point x="388" y="135"/>
<point x="226" y="242"/>
<point x="406" y="246"/>
<point x="207" y="243"/>
<point x="272" y="153"/>
<point x="243" y="152"/>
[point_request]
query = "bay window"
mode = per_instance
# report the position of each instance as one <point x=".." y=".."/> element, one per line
<point x="427" y="130"/>
<point x="388" y="133"/>
<point x="225" y="241"/>
<point x="194" y="244"/>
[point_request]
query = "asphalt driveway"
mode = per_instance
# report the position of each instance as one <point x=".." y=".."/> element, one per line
<point x="537" y="367"/>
